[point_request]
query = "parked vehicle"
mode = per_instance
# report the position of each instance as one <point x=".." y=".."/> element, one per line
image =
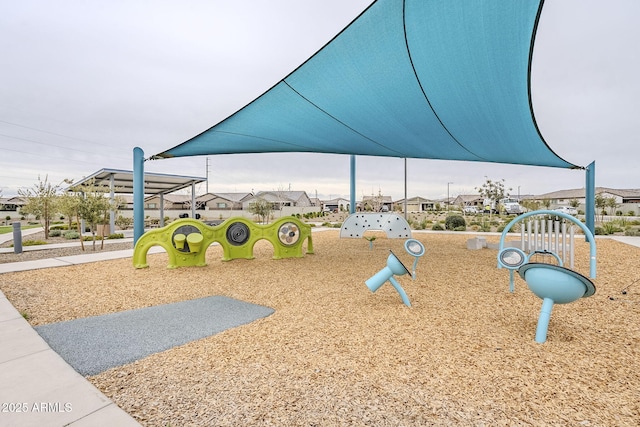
<point x="567" y="209"/>
<point x="507" y="205"/>
<point x="470" y="209"/>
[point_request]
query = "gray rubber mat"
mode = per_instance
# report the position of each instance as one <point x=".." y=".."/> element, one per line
<point x="94" y="344"/>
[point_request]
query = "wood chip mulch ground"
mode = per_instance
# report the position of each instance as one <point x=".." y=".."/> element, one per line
<point x="336" y="354"/>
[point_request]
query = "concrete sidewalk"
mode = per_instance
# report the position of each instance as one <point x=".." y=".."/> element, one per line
<point x="37" y="387"/>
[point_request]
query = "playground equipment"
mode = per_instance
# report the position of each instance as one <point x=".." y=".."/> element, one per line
<point x="186" y="240"/>
<point x="416" y="249"/>
<point x="392" y="224"/>
<point x="548" y="235"/>
<point x="396" y="267"/>
<point x="553" y="283"/>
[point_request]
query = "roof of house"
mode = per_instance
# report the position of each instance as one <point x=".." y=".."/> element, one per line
<point x="172" y="198"/>
<point x="380" y="199"/>
<point x="281" y="195"/>
<point x="578" y="193"/>
<point x="416" y="199"/>
<point x="232" y="197"/>
<point x="468" y="197"/>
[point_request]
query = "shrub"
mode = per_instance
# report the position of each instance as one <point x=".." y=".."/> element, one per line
<point x="632" y="232"/>
<point x="611" y="227"/>
<point x="454" y="221"/>
<point x="8" y="217"/>
<point x="90" y="238"/>
<point x="116" y="236"/>
<point x="55" y="233"/>
<point x="124" y="222"/>
<point x="485" y="226"/>
<point x="437" y="227"/>
<point x="460" y="228"/>
<point x="33" y="242"/>
<point x="71" y="235"/>
<point x="598" y="231"/>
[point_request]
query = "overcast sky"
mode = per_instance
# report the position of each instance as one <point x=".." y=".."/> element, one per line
<point x="84" y="82"/>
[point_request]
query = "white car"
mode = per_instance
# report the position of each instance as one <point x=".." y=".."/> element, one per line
<point x="470" y="209"/>
<point x="567" y="209"/>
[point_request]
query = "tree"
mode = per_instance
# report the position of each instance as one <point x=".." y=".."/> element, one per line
<point x="531" y="204"/>
<point x="42" y="201"/>
<point x="493" y="190"/>
<point x="601" y="203"/>
<point x="611" y="203"/>
<point x="93" y="206"/>
<point x="574" y="203"/>
<point x="262" y="208"/>
<point x="68" y="206"/>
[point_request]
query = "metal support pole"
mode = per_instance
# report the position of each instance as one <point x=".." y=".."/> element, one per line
<point x="352" y="188"/>
<point x="590" y="197"/>
<point x="161" y="209"/>
<point x="405" y="188"/>
<point x="138" y="194"/>
<point x="112" y="213"/>
<point x="193" y="200"/>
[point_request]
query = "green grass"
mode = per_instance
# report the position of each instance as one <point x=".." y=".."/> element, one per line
<point x="9" y="228"/>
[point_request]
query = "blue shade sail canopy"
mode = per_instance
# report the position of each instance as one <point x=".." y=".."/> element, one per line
<point x="433" y="79"/>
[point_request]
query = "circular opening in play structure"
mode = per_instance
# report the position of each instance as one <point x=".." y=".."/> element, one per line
<point x="512" y="258"/>
<point x="414" y="247"/>
<point x="238" y="233"/>
<point x="288" y="234"/>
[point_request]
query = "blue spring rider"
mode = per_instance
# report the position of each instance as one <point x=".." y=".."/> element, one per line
<point x="553" y="283"/>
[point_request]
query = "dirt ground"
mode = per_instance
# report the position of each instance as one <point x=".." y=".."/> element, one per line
<point x="336" y="354"/>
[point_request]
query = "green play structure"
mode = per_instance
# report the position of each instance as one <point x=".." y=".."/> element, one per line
<point x="186" y="240"/>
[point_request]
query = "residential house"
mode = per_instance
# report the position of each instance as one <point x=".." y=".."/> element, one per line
<point x="377" y="203"/>
<point x="279" y="199"/>
<point x="222" y="201"/>
<point x="464" y="200"/>
<point x="416" y="204"/>
<point x="12" y="204"/>
<point x="628" y="200"/>
<point x="171" y="202"/>
<point x="336" y="205"/>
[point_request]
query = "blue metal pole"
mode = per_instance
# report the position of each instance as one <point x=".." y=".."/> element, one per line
<point x="352" y="190"/>
<point x="543" y="320"/>
<point x="138" y="193"/>
<point x="590" y="197"/>
<point x="403" y="294"/>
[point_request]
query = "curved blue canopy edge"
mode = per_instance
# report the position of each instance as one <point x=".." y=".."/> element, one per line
<point x="435" y="79"/>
